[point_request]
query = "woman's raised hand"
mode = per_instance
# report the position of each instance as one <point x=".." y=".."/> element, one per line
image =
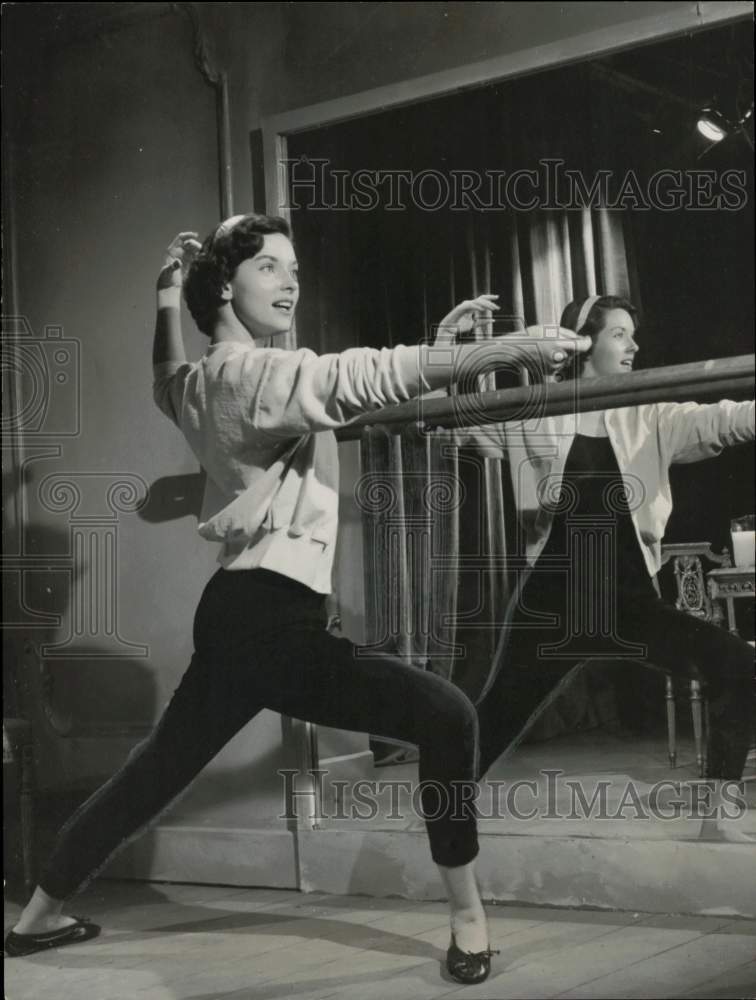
<point x="553" y="346"/>
<point x="462" y="317"/>
<point x="178" y="254"/>
<point x="556" y="346"/>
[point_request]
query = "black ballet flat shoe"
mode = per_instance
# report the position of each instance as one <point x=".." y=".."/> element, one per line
<point x="468" y="967"/>
<point x="19" y="945"/>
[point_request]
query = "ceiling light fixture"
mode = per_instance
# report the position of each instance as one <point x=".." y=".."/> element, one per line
<point x="713" y="125"/>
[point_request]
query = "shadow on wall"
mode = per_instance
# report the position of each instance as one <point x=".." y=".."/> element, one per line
<point x="71" y="672"/>
<point x="174" y="497"/>
<point x="57" y="674"/>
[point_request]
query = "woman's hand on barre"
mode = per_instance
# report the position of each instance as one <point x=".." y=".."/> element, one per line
<point x="462" y="317"/>
<point x="178" y="254"/>
<point x="540" y="349"/>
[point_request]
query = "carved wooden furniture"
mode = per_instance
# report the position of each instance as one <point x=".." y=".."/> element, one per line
<point x="694" y="598"/>
<point x="728" y="585"/>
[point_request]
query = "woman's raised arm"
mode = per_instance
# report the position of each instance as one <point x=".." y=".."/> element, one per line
<point x="168" y="344"/>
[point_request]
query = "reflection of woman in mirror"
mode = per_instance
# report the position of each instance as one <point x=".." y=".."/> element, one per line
<point x="593" y="498"/>
<point x="249" y="413"/>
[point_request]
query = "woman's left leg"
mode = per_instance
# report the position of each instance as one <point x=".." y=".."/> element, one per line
<point x="311" y="675"/>
<point x="523" y="685"/>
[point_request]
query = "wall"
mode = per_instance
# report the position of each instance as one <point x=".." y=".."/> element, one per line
<point x="285" y="56"/>
<point x="357" y="47"/>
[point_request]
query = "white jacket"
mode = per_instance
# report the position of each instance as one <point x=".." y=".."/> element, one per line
<point x="250" y="415"/>
<point x="647" y="439"/>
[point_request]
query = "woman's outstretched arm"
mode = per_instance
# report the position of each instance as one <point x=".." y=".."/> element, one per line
<point x="692" y="432"/>
<point x="290" y="393"/>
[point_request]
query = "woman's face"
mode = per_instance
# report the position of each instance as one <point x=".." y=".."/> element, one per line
<point x="265" y="288"/>
<point x="614" y="347"/>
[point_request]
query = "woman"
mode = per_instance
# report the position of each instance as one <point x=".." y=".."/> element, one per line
<point x="593" y="498"/>
<point x="249" y="413"/>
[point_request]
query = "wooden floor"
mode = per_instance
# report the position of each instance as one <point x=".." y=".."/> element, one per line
<point x="188" y="942"/>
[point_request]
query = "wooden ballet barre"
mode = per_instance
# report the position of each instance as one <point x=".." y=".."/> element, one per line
<point x="695" y="381"/>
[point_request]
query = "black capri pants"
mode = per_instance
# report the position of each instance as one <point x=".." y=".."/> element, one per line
<point x="671" y="639"/>
<point x="261" y="642"/>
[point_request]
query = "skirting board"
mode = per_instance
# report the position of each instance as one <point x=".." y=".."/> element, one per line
<point x="210" y="856"/>
<point x="657" y="876"/>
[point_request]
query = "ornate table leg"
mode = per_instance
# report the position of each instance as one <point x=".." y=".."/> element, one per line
<point x="671" y="720"/>
<point x="695" y="704"/>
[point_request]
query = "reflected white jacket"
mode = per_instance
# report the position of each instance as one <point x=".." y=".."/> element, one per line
<point x="250" y="415"/>
<point x="646" y="439"/>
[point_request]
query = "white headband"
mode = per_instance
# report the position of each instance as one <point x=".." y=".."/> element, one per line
<point x="225" y="227"/>
<point x="586" y="307"/>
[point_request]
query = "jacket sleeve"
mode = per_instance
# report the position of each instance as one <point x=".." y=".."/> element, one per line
<point x="167" y="387"/>
<point x="290" y="393"/>
<point x="692" y="431"/>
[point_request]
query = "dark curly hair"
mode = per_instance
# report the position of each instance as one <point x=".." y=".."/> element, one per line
<point x="217" y="261"/>
<point x="593" y="325"/>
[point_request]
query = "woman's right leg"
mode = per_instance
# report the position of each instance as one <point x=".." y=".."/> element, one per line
<point x="689" y="647"/>
<point x="212" y="702"/>
<point x="203" y="715"/>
